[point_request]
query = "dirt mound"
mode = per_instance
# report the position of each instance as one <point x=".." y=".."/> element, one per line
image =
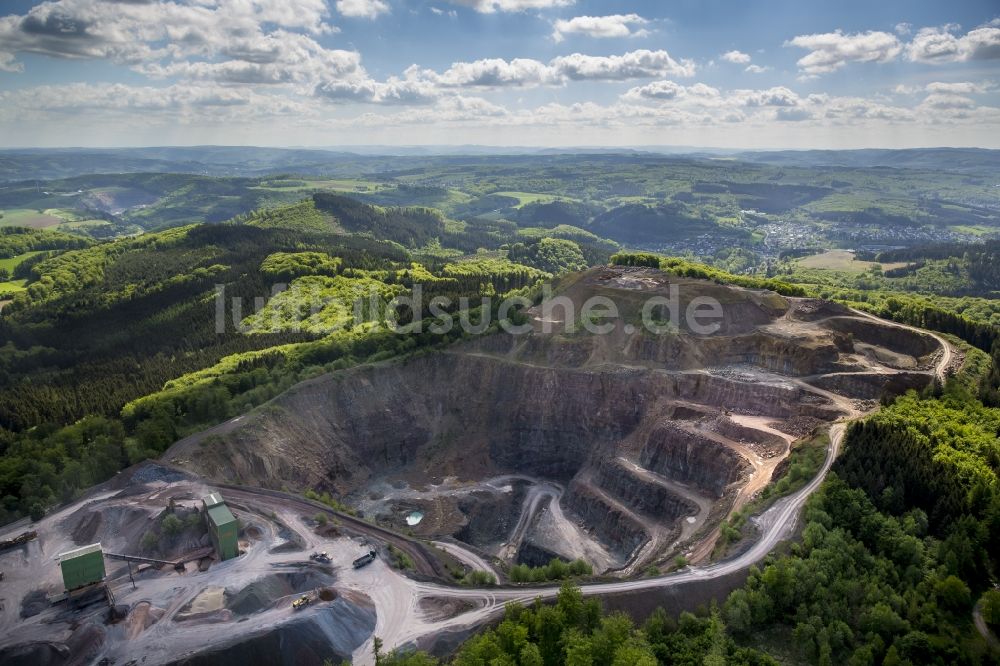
<point x="33" y="603"/>
<point x="79" y="649"/>
<point x="117" y="527"/>
<point x="331" y="633"/>
<point x="265" y="591"/>
<point x="142" y="617"/>
<point x="86" y="529"/>
<point x="814" y="309"/>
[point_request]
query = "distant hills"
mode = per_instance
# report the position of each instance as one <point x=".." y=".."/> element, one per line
<point x="49" y="163"/>
<point x="948" y="159"/>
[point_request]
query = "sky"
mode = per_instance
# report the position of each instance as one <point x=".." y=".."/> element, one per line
<point x="742" y="74"/>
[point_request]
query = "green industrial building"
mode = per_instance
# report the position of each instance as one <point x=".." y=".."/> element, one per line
<point x="82" y="566"/>
<point x="222" y="526"/>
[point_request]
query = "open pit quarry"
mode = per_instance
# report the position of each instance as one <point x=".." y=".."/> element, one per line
<point x="624" y="449"/>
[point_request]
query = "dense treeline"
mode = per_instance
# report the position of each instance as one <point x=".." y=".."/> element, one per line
<point x="19" y="240"/>
<point x="864" y="587"/>
<point x="577" y="632"/>
<point x="984" y="265"/>
<point x="549" y="214"/>
<point x="410" y="226"/>
<point x="475" y="233"/>
<point x="556" y="569"/>
<point x="596" y="250"/>
<point x="124" y="319"/>
<point x="936" y="251"/>
<point x="641" y="223"/>
<point x="553" y="255"/>
<point x="923" y="315"/>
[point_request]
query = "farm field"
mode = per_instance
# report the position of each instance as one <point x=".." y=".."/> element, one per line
<point x="842" y="260"/>
<point x="23" y="217"/>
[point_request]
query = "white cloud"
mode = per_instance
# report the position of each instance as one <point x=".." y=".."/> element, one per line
<point x="640" y="64"/>
<point x="8" y="64"/>
<point x="180" y="102"/>
<point x="701" y="97"/>
<point x="131" y="32"/>
<point x="948" y="101"/>
<point x="757" y="69"/>
<point x="491" y="73"/>
<point x="444" y="12"/>
<point x="277" y="58"/>
<point x="777" y="96"/>
<point x="527" y="72"/>
<point x="960" y="87"/>
<point x="937" y="45"/>
<point x="657" y="90"/>
<point x="490" y="6"/>
<point x="736" y="57"/>
<point x="362" y="8"/>
<point x="832" y="50"/>
<point x="393" y="91"/>
<point x="616" y="25"/>
<point x="903" y="28"/>
<point x="657" y="109"/>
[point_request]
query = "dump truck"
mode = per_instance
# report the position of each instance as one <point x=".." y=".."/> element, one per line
<point x="301" y="602"/>
<point x="365" y="559"/>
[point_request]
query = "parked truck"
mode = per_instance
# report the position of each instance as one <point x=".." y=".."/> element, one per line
<point x="365" y="559"/>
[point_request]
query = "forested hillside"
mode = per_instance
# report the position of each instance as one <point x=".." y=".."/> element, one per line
<point x="109" y="351"/>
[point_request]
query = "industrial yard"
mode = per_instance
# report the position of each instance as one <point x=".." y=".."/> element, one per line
<point x="189" y="602"/>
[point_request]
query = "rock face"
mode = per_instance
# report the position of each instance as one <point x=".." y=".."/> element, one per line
<point x="642" y="496"/>
<point x="617" y="527"/>
<point x="676" y="452"/>
<point x="564" y="406"/>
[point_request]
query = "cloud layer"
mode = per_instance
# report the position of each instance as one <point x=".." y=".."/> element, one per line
<point x="615" y="25"/>
<point x="245" y="63"/>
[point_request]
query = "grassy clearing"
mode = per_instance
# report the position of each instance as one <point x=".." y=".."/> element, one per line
<point x="335" y="184"/>
<point x="973" y="229"/>
<point x="82" y="225"/>
<point x="532" y="197"/>
<point x="842" y="260"/>
<point x="23" y="217"/>
<point x="861" y="199"/>
<point x="13" y="262"/>
<point x="12" y="287"/>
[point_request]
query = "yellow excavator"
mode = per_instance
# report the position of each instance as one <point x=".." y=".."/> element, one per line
<point x="301" y="602"/>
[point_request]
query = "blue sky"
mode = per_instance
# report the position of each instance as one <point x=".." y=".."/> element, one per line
<point x="775" y="74"/>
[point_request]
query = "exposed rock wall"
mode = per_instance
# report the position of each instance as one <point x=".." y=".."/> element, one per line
<point x="644" y="497"/>
<point x="613" y="525"/>
<point x="691" y="457"/>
